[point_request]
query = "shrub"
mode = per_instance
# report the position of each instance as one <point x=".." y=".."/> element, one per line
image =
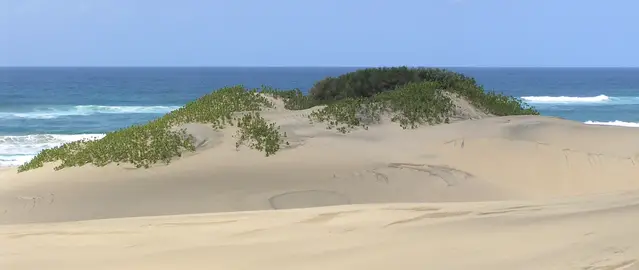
<point x="410" y="105"/>
<point x="371" y="81"/>
<point x="346" y="114"/>
<point x="362" y="83"/>
<point x="293" y="99"/>
<point x="259" y="134"/>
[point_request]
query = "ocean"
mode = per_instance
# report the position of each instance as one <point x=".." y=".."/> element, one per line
<point x="45" y="107"/>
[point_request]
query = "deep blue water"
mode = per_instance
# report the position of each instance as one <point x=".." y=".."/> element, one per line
<point x="43" y="107"/>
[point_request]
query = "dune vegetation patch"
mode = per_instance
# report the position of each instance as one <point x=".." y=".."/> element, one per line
<point x="255" y="132"/>
<point x="410" y="96"/>
<point x="153" y="142"/>
<point x="366" y="83"/>
<point x="411" y="105"/>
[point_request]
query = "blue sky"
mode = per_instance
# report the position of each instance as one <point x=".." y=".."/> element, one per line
<point x="319" y="33"/>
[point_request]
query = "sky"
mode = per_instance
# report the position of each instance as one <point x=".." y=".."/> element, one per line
<point x="445" y="33"/>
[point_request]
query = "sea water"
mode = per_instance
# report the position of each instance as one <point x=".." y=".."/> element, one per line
<point x="45" y="107"/>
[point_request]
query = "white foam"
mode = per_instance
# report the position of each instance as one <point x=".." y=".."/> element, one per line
<point x="16" y="150"/>
<point x="79" y="110"/>
<point x="14" y="160"/>
<point x="566" y="99"/>
<point x="613" y="123"/>
<point x="125" y="109"/>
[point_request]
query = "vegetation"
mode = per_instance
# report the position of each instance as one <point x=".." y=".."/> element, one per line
<point x="293" y="99"/>
<point x="260" y="135"/>
<point x="366" y="83"/>
<point x="411" y="105"/>
<point x="409" y="96"/>
<point x="159" y="141"/>
<point x="412" y="96"/>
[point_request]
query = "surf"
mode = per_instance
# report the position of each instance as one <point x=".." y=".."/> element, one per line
<point x="52" y="112"/>
<point x="15" y="150"/>
<point x="572" y="100"/>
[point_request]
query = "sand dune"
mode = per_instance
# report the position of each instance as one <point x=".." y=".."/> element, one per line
<point x="589" y="233"/>
<point x="525" y="192"/>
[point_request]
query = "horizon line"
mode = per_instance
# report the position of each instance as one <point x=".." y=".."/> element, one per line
<point x="293" y="66"/>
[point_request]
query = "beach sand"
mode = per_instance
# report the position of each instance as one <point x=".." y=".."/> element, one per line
<point x="517" y="192"/>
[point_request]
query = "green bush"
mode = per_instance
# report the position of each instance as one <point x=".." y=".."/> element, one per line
<point x="345" y="114"/>
<point x="410" y="105"/>
<point x="368" y="82"/>
<point x="259" y="134"/>
<point x="293" y="99"/>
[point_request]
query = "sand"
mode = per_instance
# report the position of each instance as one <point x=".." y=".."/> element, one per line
<point x="519" y="192"/>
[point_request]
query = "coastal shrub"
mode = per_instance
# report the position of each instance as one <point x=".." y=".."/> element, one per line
<point x="362" y="83"/>
<point x="293" y="99"/>
<point x="410" y="105"/>
<point x="158" y="141"/>
<point x="255" y="132"/>
<point x="346" y="114"/>
<point x="371" y="81"/>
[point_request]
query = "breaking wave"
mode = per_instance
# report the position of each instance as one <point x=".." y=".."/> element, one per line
<point x="81" y="110"/>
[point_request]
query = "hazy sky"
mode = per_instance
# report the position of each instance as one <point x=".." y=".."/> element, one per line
<point x="319" y="33"/>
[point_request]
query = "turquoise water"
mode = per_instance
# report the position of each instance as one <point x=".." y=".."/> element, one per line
<point x="44" y="107"/>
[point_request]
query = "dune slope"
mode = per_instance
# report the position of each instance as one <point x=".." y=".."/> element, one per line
<point x="516" y="192"/>
<point x="499" y="158"/>
<point x="589" y="233"/>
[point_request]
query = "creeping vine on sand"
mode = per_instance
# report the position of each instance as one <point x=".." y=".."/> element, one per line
<point x="259" y="134"/>
<point x="158" y="141"/>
